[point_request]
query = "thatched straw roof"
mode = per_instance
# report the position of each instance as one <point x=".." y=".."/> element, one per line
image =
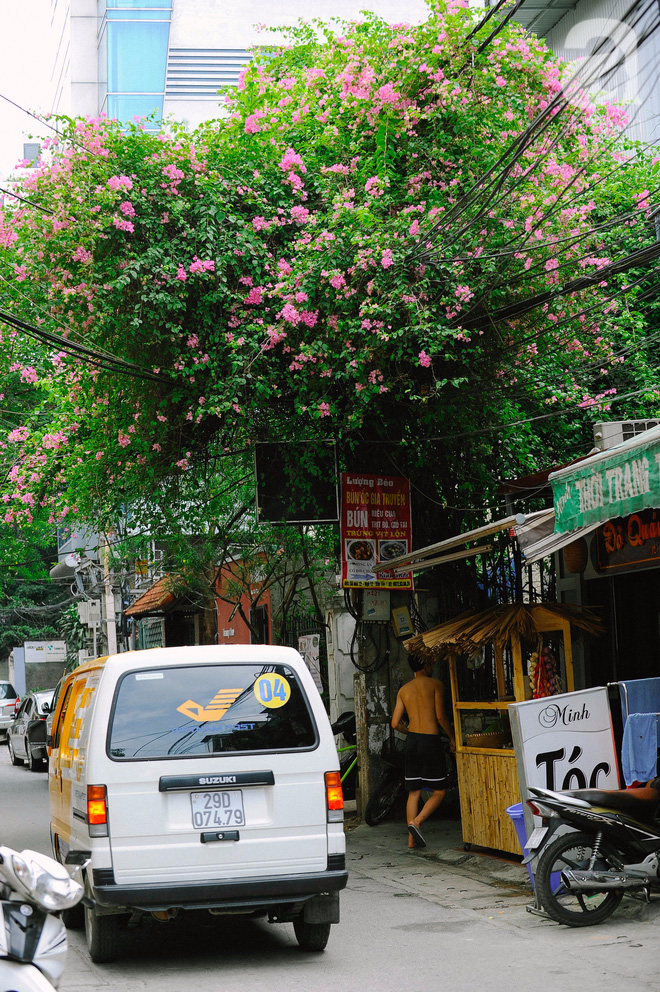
<point x="469" y="632"/>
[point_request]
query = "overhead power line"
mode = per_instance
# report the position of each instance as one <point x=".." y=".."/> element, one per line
<point x="99" y="359"/>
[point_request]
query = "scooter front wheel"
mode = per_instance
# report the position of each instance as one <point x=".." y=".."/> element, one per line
<point x="575" y="909"/>
<point x="382" y="802"/>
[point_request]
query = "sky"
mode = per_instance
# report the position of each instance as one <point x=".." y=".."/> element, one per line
<point x="25" y="67"/>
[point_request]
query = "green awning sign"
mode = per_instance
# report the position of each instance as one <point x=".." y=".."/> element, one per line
<point x="608" y="485"/>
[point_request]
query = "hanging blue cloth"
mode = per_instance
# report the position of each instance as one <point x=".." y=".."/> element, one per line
<point x="639" y="748"/>
<point x="643" y="696"/>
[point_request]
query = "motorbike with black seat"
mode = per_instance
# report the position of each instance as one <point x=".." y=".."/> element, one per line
<point x="611" y="846"/>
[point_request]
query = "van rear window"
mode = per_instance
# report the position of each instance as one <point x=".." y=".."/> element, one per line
<point x="209" y="709"/>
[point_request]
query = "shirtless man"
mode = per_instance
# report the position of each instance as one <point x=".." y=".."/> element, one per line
<point x="421" y="702"/>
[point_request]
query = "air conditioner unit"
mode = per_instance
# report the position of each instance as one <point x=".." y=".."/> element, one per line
<point x="609" y="433"/>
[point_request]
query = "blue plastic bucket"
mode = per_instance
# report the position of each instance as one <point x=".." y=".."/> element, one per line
<point x="517" y="816"/>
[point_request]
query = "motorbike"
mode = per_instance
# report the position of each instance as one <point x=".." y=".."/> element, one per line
<point x="593" y="846"/>
<point x="345" y="726"/>
<point x="34" y="890"/>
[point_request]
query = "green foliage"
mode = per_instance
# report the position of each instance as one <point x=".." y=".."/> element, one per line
<point x="74" y="633"/>
<point x="341" y="255"/>
<point x="30" y="605"/>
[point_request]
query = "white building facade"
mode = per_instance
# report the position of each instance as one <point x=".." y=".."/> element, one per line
<point x="130" y="58"/>
<point x="625" y="66"/>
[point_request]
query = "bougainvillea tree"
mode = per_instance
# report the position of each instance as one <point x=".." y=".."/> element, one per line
<point x="405" y="238"/>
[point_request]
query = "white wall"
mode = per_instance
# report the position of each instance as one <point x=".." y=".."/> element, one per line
<point x="340" y="667"/>
<point x="636" y="82"/>
<point x="232" y="24"/>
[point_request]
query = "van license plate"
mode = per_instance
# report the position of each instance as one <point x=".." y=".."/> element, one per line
<point x="217" y="809"/>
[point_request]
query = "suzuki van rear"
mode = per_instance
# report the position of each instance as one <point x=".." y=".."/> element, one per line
<point x="199" y="778"/>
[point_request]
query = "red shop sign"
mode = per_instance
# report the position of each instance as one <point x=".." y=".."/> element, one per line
<point x="375" y="526"/>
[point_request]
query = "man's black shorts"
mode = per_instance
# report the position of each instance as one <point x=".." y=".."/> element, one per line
<point x="426" y="767"/>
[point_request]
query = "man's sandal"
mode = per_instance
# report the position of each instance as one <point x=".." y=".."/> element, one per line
<point x="416" y="835"/>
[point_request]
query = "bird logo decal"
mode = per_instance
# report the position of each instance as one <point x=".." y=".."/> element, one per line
<point x="215" y="710"/>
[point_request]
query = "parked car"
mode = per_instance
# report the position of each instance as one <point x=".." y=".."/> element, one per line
<point x="26" y="737"/>
<point x="8" y="699"/>
<point x="53" y="706"/>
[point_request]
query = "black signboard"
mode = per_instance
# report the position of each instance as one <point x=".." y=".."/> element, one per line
<point x="297" y="482"/>
<point x="628" y="543"/>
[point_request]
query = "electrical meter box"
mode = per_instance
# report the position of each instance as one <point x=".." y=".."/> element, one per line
<point x="376" y="605"/>
<point x="401" y="621"/>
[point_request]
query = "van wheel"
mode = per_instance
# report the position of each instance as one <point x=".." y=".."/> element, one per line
<point x="102" y="935"/>
<point x="311" y="936"/>
<point x="12" y="757"/>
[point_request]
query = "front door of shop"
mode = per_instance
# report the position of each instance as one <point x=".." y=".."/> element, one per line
<point x="629" y="606"/>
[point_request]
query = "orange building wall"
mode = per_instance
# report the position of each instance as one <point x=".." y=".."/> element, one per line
<point x="236" y="631"/>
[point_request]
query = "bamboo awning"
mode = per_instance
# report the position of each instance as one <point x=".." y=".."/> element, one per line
<point x="468" y="633"/>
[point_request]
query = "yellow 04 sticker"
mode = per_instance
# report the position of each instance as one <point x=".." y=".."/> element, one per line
<point x="272" y="690"/>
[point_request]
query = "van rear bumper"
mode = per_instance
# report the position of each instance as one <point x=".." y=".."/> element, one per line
<point x="269" y="890"/>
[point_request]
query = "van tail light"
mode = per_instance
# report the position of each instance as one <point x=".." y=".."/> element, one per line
<point x="97" y="811"/>
<point x="334" y="796"/>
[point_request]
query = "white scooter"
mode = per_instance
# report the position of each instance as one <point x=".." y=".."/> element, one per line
<point x="34" y="889"/>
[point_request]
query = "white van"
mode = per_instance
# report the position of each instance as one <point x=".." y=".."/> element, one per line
<point x="198" y="778"/>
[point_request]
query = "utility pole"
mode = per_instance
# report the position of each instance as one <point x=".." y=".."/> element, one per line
<point x="108" y="599"/>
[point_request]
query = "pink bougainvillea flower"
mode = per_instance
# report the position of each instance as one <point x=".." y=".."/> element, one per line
<point x="198" y="265"/>
<point x="254" y="297"/>
<point x="290" y="314"/>
<point x="291" y="160"/>
<point x="120" y="182"/>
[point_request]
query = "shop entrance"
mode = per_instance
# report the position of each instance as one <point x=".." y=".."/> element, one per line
<point x="630" y="609"/>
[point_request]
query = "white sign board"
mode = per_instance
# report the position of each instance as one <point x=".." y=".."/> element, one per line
<point x="564" y="742"/>
<point x="36" y="651"/>
<point x="308" y="646"/>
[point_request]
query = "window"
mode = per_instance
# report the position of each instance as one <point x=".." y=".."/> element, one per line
<point x="136" y="4"/>
<point x="133" y="50"/>
<point x="125" y="108"/>
<point x="137" y="56"/>
<point x="7" y="691"/>
<point x="62" y="714"/>
<point x="23" y="708"/>
<point x="209" y="710"/>
<point x="41" y="700"/>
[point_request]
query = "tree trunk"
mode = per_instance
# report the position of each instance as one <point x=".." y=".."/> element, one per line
<point x="209" y="620"/>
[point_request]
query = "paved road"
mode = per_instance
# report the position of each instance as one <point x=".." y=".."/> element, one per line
<point x="409" y="922"/>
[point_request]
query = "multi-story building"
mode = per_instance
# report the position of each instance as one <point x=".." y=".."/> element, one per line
<point x="615" y="47"/>
<point x="133" y="57"/>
